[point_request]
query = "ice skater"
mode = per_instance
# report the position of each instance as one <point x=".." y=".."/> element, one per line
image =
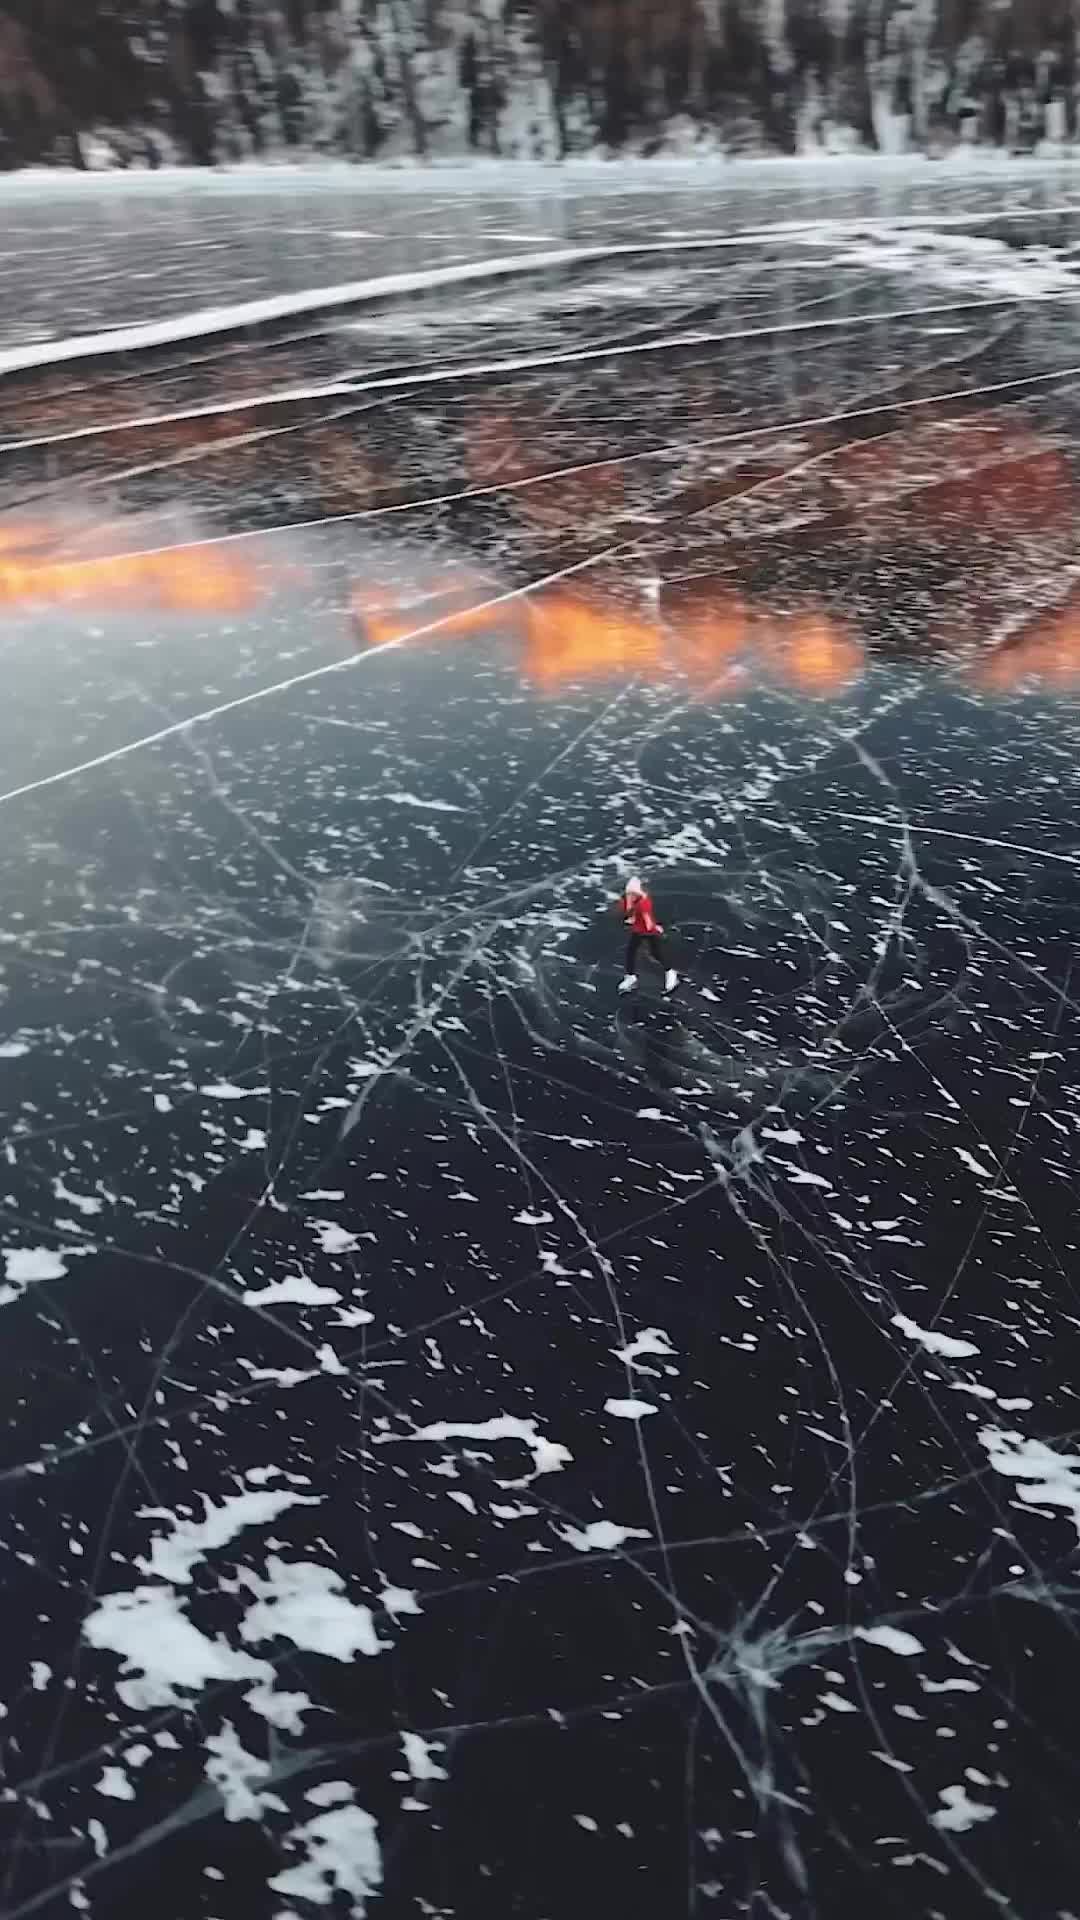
<point x="644" y="928"/>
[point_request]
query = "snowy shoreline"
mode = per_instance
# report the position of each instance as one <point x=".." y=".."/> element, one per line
<point x="512" y="177"/>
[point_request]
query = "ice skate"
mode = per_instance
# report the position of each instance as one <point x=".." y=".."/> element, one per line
<point x="628" y="983"/>
<point x="671" y="980"/>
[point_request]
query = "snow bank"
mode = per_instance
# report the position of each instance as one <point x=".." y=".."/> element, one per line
<point x="514" y="179"/>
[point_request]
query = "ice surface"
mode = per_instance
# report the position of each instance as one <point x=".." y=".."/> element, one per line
<point x="473" y="1440"/>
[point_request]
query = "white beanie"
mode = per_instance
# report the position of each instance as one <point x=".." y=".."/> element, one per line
<point x="633" y="886"/>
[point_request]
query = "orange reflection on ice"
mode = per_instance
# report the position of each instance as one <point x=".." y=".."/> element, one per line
<point x="815" y="653"/>
<point x="573" y="634"/>
<point x="1047" y="649"/>
<point x="568" y="637"/>
<point x="987" y="475"/>
<point x="710" y="636"/>
<point x="450" y="609"/>
<point x="187" y="579"/>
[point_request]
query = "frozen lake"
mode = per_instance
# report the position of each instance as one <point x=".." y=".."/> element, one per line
<point x="79" y="252"/>
<point x="475" y="1444"/>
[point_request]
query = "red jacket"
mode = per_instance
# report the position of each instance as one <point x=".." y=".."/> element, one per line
<point x="638" y="914"/>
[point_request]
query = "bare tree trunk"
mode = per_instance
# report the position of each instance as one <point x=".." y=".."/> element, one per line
<point x="865" y="47"/>
<point x="408" y="84"/>
<point x="1066" y="76"/>
<point x="494" y="86"/>
<point x="917" y="72"/>
<point x="693" y="31"/>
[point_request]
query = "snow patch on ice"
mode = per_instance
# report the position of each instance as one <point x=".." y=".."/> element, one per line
<point x="973" y="1165"/>
<point x="306" y="1603"/>
<point x="26" y="1266"/>
<point x="419" y="1757"/>
<point x="426" y="806"/>
<point x="235" y="1773"/>
<point x="891" y="1638"/>
<point x="82" y="1202"/>
<point x="282" y="1376"/>
<point x="651" y="1340"/>
<point x="630" y="1409"/>
<point x="1044" y="1478"/>
<point x="963" y="262"/>
<point x="548" y="1455"/>
<point x="334" y="1239"/>
<point x="173" y="1555"/>
<point x="282" y="1710"/>
<point x="164" y="1652"/>
<point x="959" y="1813"/>
<point x="942" y="1343"/>
<point x="115" y="1785"/>
<point x="399" y="1600"/>
<point x="601" y="1536"/>
<point x="329" y="1793"/>
<point x="353" y="1317"/>
<point x="342" y="1857"/>
<point x="296" y="1289"/>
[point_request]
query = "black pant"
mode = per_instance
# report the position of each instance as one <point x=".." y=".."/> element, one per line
<point x="654" y="944"/>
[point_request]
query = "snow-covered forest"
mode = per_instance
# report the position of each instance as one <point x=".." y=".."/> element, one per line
<point x="92" y="83"/>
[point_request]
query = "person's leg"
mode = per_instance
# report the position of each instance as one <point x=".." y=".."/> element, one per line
<point x="659" y="954"/>
<point x="629" y="979"/>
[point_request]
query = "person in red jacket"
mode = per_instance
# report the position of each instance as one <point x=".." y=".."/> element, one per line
<point x="637" y="912"/>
